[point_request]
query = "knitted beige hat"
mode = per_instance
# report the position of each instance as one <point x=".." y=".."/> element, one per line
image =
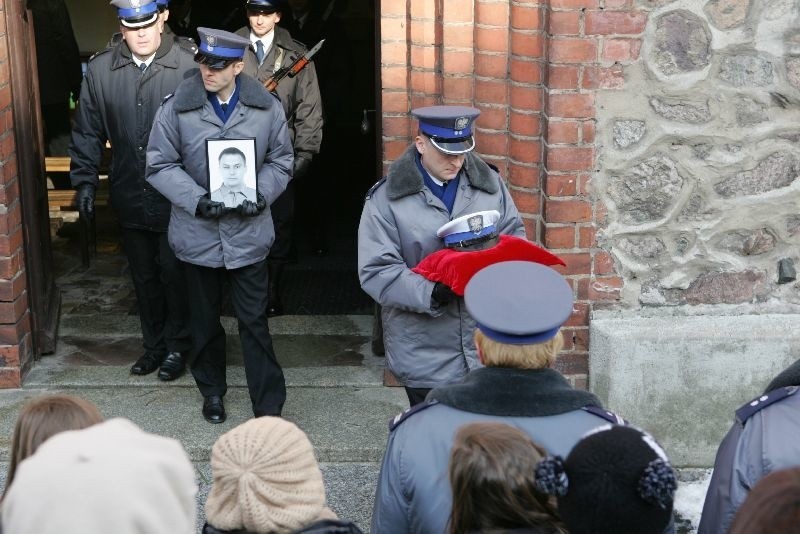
<point x="266" y="478"/>
<point x="110" y="477"/>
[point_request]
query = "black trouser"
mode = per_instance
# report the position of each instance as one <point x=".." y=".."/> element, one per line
<point x="416" y="395"/>
<point x="248" y="290"/>
<point x="282" y="219"/>
<point x="160" y="290"/>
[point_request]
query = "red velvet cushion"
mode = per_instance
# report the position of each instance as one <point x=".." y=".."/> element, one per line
<point x="455" y="268"/>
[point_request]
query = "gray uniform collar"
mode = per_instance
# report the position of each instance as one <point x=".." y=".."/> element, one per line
<point x="404" y="179"/>
<point x="191" y="94"/>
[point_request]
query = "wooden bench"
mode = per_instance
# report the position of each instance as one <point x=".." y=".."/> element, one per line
<point x="65" y="200"/>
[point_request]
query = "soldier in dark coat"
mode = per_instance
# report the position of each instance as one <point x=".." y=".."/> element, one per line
<point x="519" y="308"/>
<point x="123" y="87"/>
<point x="763" y="439"/>
<point x="273" y="49"/>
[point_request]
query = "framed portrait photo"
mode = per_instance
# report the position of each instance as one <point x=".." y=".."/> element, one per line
<point x="232" y="170"/>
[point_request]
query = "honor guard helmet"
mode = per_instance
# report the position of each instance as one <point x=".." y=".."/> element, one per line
<point x="448" y="127"/>
<point x="136" y="13"/>
<point x="219" y="48"/>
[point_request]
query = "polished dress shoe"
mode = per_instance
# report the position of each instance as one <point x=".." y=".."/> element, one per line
<point x="148" y="363"/>
<point x="172" y="367"/>
<point x="214" y="410"/>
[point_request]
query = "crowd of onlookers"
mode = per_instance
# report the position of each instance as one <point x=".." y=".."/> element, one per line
<point x="71" y="471"/>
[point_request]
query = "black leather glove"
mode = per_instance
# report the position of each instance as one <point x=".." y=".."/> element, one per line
<point x="301" y="167"/>
<point x="261" y="202"/>
<point x="85" y="200"/>
<point x="248" y="208"/>
<point x="209" y="209"/>
<point x="442" y="294"/>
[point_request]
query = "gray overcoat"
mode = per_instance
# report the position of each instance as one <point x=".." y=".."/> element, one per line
<point x="426" y="345"/>
<point x="177" y="167"/>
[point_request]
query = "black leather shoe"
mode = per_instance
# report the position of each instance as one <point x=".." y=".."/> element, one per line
<point x="214" y="410"/>
<point x="148" y="363"/>
<point x="172" y="367"/>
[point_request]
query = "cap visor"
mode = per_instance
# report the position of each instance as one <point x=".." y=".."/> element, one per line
<point x="213" y="62"/>
<point x="141" y="22"/>
<point x="452" y="146"/>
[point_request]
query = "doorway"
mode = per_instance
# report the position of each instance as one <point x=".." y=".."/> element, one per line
<point x="322" y="279"/>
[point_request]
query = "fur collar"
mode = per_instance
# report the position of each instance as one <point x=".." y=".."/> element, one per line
<point x="404" y="179"/>
<point x="514" y="393"/>
<point x="191" y="94"/>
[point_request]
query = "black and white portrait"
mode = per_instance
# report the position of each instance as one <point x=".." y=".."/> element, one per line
<point x="232" y="170"/>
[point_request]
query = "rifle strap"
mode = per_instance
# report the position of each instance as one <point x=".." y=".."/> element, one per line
<point x="278" y="59"/>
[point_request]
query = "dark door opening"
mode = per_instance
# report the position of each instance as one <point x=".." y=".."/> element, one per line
<point x="323" y="278"/>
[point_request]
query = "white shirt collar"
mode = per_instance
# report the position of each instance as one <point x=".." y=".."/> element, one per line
<point x="267" y="40"/>
<point x="146" y="61"/>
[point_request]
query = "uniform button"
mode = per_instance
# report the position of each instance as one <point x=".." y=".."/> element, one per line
<point x="140" y="148"/>
<point x="754" y="403"/>
<point x="763" y="398"/>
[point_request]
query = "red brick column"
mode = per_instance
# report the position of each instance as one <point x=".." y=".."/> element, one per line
<point x="15" y="329"/>
<point x="534" y="68"/>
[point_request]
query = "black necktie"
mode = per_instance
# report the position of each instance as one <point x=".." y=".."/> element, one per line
<point x="224" y="108"/>
<point x="143" y="67"/>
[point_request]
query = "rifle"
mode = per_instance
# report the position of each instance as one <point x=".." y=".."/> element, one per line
<point x="292" y="70"/>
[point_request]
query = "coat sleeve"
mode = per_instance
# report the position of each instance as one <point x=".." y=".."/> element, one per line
<point x="307" y="118"/>
<point x="718" y="504"/>
<point x="88" y="136"/>
<point x="391" y="508"/>
<point x="165" y="169"/>
<point x="275" y="173"/>
<point x="382" y="271"/>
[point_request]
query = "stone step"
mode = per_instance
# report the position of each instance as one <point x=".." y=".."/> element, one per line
<point x="345" y="424"/>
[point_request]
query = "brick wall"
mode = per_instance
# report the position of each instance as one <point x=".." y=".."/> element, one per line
<point x="15" y="329"/>
<point x="534" y="69"/>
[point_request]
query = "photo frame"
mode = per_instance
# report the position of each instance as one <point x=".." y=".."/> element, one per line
<point x="231" y="167"/>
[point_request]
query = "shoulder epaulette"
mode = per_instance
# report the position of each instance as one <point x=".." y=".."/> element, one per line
<point x="187" y="43"/>
<point x="167" y="97"/>
<point x="375" y="187"/>
<point x="762" y="401"/>
<point x="408" y="412"/>
<point x="608" y="415"/>
<point x="492" y="166"/>
<point x="301" y="46"/>
<point x="100" y="53"/>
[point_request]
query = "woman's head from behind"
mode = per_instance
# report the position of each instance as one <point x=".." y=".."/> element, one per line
<point x="492" y="477"/>
<point x="42" y="418"/>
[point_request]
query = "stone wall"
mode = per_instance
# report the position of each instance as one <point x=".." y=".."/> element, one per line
<point x="698" y="157"/>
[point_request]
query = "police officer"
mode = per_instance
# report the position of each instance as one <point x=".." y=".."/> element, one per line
<point x="123" y="87"/>
<point x="273" y="49"/>
<point x="427" y="331"/>
<point x="765" y="437"/>
<point x="216" y="242"/>
<point x="519" y="307"/>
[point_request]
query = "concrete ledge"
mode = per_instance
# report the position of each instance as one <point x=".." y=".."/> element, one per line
<point x="682" y="378"/>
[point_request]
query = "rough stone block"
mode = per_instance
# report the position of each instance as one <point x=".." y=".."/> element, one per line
<point x="682" y="378"/>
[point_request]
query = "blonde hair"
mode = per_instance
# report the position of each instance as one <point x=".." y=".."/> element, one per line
<point x="533" y="356"/>
<point x="42" y="418"/>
